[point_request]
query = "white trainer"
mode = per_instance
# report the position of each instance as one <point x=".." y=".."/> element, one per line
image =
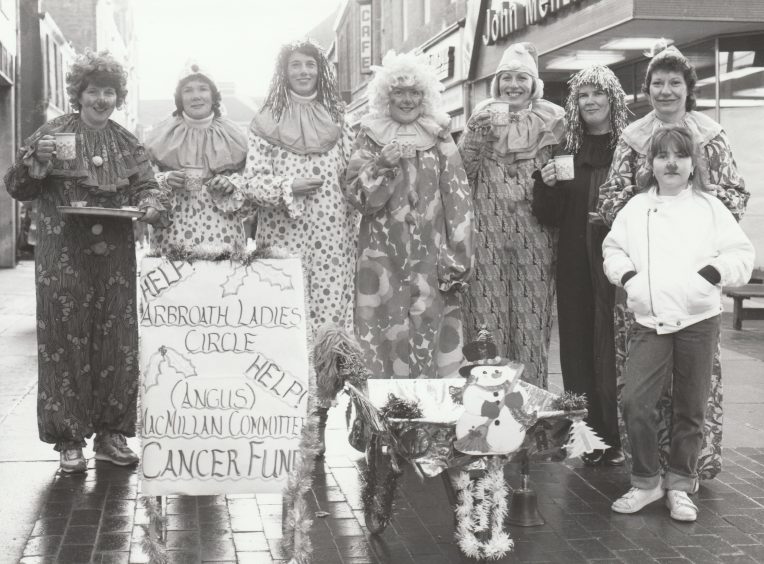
<point x="682" y="509"/>
<point x="636" y="498"/>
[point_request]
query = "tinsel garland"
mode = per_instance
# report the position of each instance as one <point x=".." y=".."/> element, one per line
<point x="569" y="401"/>
<point x="216" y="253"/>
<point x="379" y="498"/>
<point x="296" y="540"/>
<point x="399" y="408"/>
<point x="152" y="543"/>
<point x="481" y="509"/>
<point x="338" y="359"/>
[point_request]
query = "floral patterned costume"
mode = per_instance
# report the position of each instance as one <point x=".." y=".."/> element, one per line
<point x="721" y="177"/>
<point x="512" y="293"/>
<point x="87" y="324"/>
<point x="414" y="253"/>
<point x="217" y="145"/>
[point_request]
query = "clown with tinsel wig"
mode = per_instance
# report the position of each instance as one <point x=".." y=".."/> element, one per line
<point x="596" y="114"/>
<point x="299" y="147"/>
<point x="87" y="329"/>
<point x="415" y="244"/>
<point x="197" y="140"/>
<point x="669" y="86"/>
<point x="508" y="137"/>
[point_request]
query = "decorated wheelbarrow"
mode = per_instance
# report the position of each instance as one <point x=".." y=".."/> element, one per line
<point x="464" y="429"/>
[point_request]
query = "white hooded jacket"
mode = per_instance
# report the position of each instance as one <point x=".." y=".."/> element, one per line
<point x="666" y="241"/>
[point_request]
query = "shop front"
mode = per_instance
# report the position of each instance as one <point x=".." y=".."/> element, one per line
<point x="724" y="40"/>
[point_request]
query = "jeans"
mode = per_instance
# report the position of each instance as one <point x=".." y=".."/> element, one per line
<point x="652" y="359"/>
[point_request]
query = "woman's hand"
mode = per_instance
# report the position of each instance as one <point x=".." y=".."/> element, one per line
<point x="549" y="173"/>
<point x="390" y="156"/>
<point x="481" y="122"/>
<point x="306" y="186"/>
<point x="176" y="179"/>
<point x="151" y="215"/>
<point x="221" y="185"/>
<point x="46" y="148"/>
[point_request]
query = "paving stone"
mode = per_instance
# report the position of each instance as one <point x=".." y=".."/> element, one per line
<point x="80" y="535"/>
<point x="251" y="542"/>
<point x="42" y="546"/>
<point x="50" y="526"/>
<point x="111" y="558"/>
<point x="113" y="542"/>
<point x="74" y="554"/>
<point x="85" y="517"/>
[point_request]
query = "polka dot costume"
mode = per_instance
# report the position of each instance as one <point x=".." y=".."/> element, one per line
<point x="197" y="220"/>
<point x="322" y="228"/>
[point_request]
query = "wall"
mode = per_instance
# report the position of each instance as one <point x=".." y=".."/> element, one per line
<point x="8" y="45"/>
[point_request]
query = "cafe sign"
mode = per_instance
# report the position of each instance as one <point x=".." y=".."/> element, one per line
<point x="511" y="17"/>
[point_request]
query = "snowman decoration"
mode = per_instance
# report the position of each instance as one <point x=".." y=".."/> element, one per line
<point x="494" y="421"/>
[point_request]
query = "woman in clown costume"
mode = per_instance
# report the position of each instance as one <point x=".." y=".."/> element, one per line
<point x="415" y="243"/>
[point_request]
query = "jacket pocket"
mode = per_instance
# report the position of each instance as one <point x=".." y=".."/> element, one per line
<point x="701" y="296"/>
<point x="638" y="294"/>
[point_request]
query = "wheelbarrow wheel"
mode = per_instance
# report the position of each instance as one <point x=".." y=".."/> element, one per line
<point x="379" y="487"/>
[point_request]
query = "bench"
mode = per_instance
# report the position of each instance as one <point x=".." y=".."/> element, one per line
<point x="740" y="293"/>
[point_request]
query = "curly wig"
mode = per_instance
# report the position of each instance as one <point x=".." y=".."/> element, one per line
<point x="99" y="68"/>
<point x="327" y="93"/>
<point x="407" y="70"/>
<point x="602" y="78"/>
<point x="668" y="58"/>
<point x="216" y="97"/>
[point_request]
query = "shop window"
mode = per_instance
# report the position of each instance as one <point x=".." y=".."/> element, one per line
<point x="741" y="112"/>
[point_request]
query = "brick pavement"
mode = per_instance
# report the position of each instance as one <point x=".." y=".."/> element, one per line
<point x="94" y="518"/>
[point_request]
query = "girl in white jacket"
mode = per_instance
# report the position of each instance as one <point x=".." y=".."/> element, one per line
<point x="672" y="247"/>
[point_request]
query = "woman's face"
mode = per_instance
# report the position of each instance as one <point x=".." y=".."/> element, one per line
<point x="515" y="87"/>
<point x="668" y="94"/>
<point x="196" y="96"/>
<point x="594" y="107"/>
<point x="405" y="104"/>
<point x="672" y="169"/>
<point x="97" y="103"/>
<point x="302" y="73"/>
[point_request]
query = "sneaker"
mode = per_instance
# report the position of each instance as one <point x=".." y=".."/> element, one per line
<point x="73" y="461"/>
<point x="112" y="447"/>
<point x="682" y="509"/>
<point x="636" y="498"/>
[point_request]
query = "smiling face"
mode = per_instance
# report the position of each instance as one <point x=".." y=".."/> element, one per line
<point x="302" y="73"/>
<point x="672" y="167"/>
<point x="405" y="104"/>
<point x="196" y="96"/>
<point x="594" y="107"/>
<point x="97" y="103"/>
<point x="487" y="376"/>
<point x="515" y="87"/>
<point x="668" y="94"/>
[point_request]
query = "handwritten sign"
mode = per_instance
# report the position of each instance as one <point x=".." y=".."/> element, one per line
<point x="224" y="365"/>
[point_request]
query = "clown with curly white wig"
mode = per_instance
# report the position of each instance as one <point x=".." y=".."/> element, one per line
<point x="508" y="138"/>
<point x="596" y="114"/>
<point x="415" y="243"/>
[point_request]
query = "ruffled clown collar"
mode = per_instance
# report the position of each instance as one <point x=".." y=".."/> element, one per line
<point x="638" y="134"/>
<point x="215" y="143"/>
<point x="424" y="132"/>
<point x="540" y="125"/>
<point x="305" y="126"/>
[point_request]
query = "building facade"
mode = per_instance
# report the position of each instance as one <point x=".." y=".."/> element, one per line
<point x="100" y="25"/>
<point x="8" y="130"/>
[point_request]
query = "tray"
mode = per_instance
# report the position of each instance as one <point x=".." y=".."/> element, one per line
<point x="127" y="213"/>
